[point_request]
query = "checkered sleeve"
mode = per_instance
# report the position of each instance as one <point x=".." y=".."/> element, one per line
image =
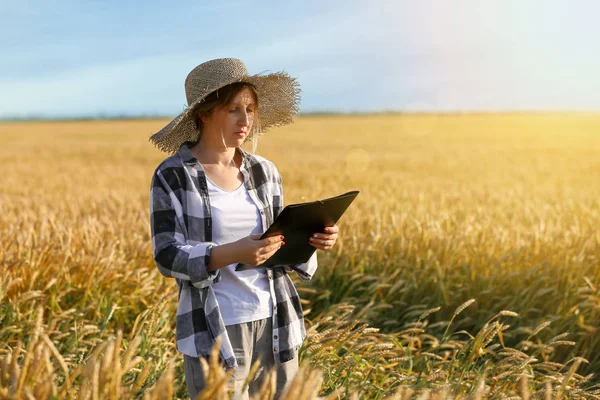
<point x="304" y="270"/>
<point x="173" y="256"/>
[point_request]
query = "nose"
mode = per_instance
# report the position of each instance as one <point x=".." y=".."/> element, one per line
<point x="244" y="119"/>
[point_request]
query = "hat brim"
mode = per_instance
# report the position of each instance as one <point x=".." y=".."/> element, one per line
<point x="278" y="104"/>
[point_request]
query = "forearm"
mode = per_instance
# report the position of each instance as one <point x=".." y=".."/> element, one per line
<point x="222" y="256"/>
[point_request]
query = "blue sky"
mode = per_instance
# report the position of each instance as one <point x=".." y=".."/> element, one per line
<point x="77" y="58"/>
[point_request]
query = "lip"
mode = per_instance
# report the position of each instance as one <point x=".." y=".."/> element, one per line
<point x="240" y="133"/>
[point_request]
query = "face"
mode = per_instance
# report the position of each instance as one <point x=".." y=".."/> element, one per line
<point x="235" y="120"/>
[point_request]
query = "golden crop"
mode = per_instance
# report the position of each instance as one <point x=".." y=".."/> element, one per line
<point x="469" y="265"/>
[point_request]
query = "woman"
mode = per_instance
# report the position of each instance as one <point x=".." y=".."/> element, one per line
<point x="210" y="202"/>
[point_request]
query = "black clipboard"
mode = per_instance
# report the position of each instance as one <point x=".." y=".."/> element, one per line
<point x="298" y="222"/>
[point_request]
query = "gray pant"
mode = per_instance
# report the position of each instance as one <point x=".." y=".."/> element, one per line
<point x="251" y="341"/>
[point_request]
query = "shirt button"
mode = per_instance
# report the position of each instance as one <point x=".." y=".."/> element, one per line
<point x="274" y="307"/>
<point x="270" y="277"/>
<point x="275" y="349"/>
<point x="275" y="337"/>
<point x="262" y="212"/>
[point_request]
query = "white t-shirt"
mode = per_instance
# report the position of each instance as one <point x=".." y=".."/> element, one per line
<point x="243" y="296"/>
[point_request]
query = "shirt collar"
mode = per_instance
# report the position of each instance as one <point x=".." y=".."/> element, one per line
<point x="189" y="159"/>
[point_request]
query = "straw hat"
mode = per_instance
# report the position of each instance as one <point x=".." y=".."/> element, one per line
<point x="278" y="99"/>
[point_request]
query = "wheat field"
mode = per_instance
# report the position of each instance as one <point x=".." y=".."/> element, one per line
<point x="468" y="266"/>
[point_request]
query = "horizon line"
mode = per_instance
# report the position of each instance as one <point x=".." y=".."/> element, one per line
<point x="121" y="117"/>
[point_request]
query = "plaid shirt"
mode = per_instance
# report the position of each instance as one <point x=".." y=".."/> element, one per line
<point x="181" y="228"/>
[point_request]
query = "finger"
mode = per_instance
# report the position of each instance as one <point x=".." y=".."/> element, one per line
<point x="273" y="239"/>
<point x="321" y="242"/>
<point x="271" y="248"/>
<point x="325" y="242"/>
<point x="327" y="246"/>
<point x="321" y="247"/>
<point x="331" y="229"/>
<point x="324" y="236"/>
<point x="270" y="254"/>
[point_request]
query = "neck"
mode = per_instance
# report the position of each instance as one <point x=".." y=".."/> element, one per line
<point x="215" y="154"/>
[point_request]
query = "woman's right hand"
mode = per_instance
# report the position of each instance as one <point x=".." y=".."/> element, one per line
<point x="254" y="251"/>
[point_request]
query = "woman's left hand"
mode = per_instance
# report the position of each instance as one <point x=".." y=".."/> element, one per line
<point x="325" y="240"/>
